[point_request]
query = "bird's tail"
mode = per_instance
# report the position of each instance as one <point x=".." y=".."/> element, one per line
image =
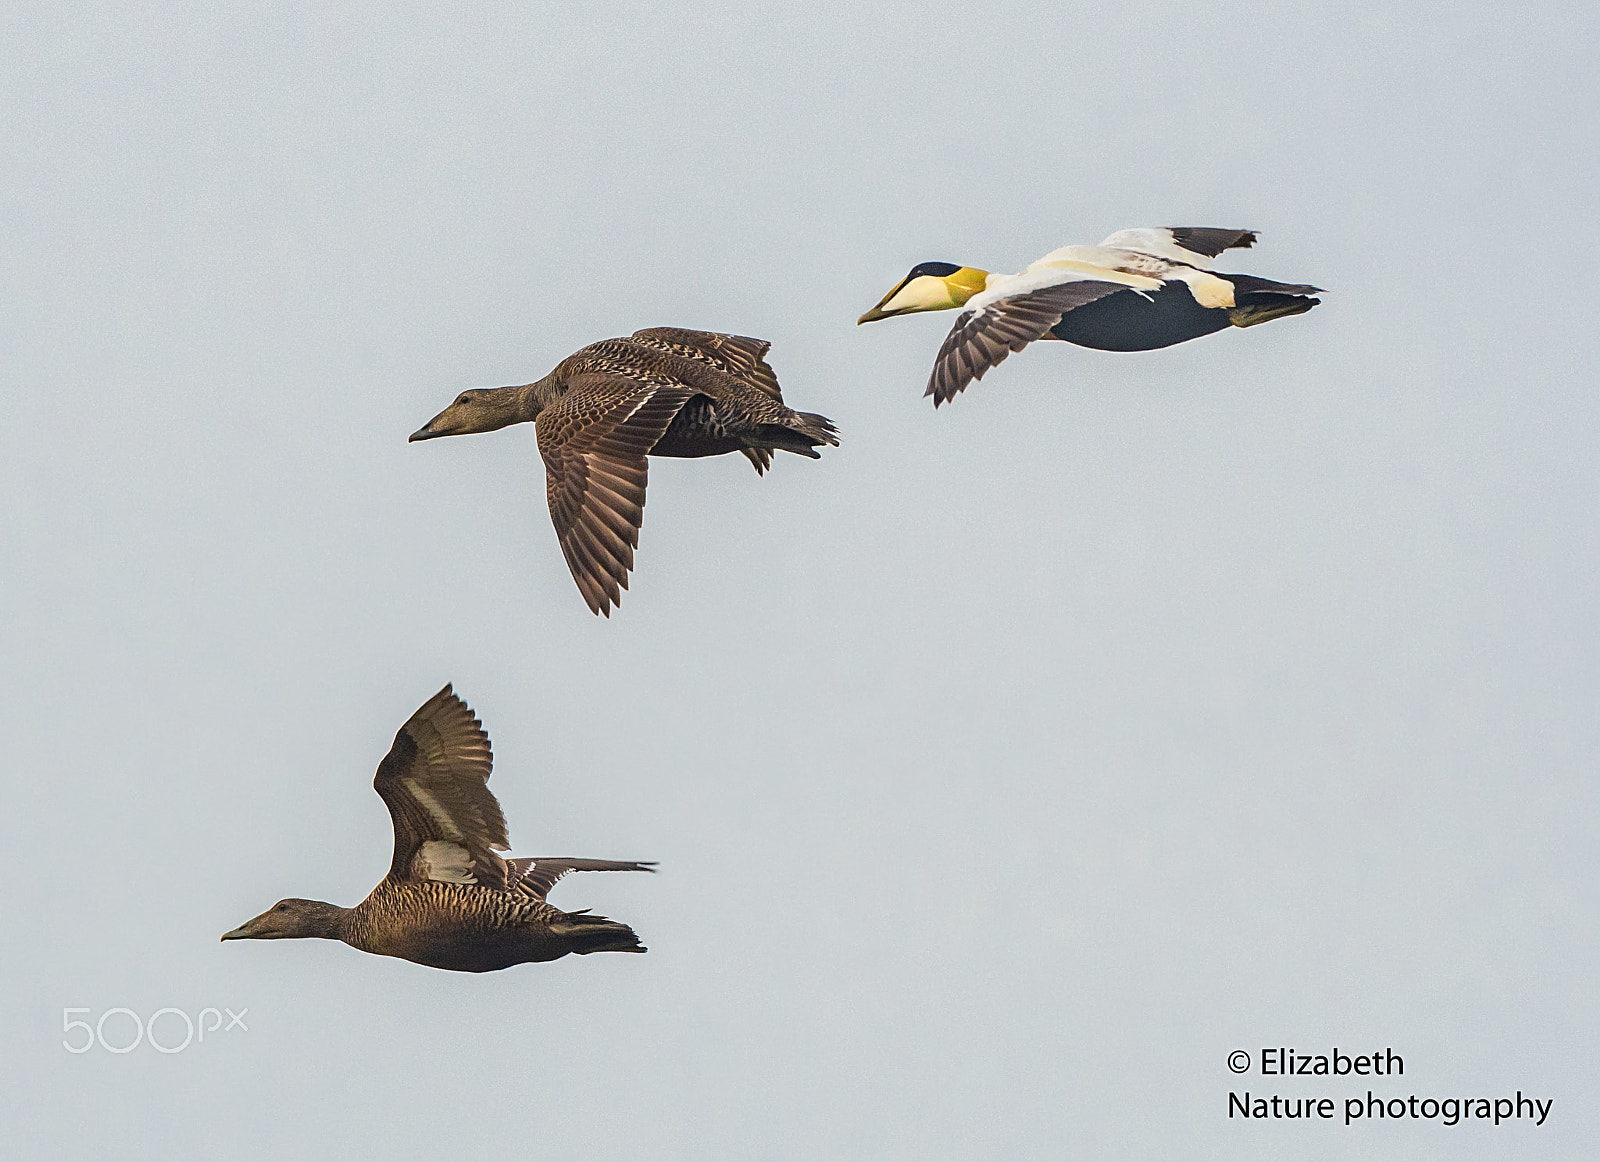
<point x="1246" y="285"/>
<point x="1260" y="300"/>
<point x="801" y="433"/>
<point x="589" y="933"/>
<point x="1259" y="308"/>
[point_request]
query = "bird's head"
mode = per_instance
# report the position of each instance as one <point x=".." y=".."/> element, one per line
<point x="289" y="920"/>
<point x="480" y="409"/>
<point x="931" y="286"/>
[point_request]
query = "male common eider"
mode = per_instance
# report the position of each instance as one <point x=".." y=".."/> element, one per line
<point x="1138" y="290"/>
<point x="663" y="391"/>
<point x="449" y="901"/>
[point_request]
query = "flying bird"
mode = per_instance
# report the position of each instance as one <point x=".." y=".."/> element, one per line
<point x="1138" y="290"/>
<point x="450" y="900"/>
<point x="663" y="391"/>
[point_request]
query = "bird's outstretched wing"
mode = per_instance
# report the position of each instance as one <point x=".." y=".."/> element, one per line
<point x="434" y="780"/>
<point x="740" y="356"/>
<point x="983" y="336"/>
<point x="1195" y="245"/>
<point x="540" y="873"/>
<point x="595" y="440"/>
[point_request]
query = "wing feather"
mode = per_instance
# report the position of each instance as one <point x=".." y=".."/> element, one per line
<point x="434" y="780"/>
<point x="595" y="441"/>
<point x="740" y="356"/>
<point x="538" y="875"/>
<point x="1194" y="245"/>
<point x="1210" y="241"/>
<point x="984" y="336"/>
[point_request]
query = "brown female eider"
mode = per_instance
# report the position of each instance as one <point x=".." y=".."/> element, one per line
<point x="663" y="391"/>
<point x="449" y="901"/>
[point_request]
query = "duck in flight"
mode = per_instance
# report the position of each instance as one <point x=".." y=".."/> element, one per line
<point x="449" y="900"/>
<point x="663" y="391"/>
<point x="1138" y="290"/>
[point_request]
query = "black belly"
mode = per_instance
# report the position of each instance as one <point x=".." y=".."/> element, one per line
<point x="477" y="951"/>
<point x="1129" y="321"/>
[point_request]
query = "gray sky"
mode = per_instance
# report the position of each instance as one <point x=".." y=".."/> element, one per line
<point x="1008" y="767"/>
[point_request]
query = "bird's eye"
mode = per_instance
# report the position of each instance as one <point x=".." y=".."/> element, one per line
<point x="465" y="399"/>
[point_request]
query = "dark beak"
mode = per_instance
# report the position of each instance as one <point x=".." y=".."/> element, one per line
<point x="878" y="312"/>
<point x="425" y="432"/>
<point x="239" y="933"/>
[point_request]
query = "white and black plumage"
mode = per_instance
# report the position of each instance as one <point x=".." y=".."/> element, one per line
<point x="1139" y="290"/>
<point x="450" y="900"/>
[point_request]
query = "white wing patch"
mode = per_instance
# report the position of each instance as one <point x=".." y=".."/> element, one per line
<point x="449" y="863"/>
<point x="1036" y="278"/>
<point x="1143" y="268"/>
<point x="1157" y="240"/>
<point x="434" y="808"/>
<point x="1070" y="264"/>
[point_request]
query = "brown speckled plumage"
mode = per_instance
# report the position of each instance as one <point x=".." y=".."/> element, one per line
<point x="663" y="391"/>
<point x="449" y="900"/>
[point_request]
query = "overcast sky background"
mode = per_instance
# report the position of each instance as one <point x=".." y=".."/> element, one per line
<point x="1008" y="767"/>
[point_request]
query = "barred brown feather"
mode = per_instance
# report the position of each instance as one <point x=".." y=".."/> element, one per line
<point x="664" y="391"/>
<point x="434" y="782"/>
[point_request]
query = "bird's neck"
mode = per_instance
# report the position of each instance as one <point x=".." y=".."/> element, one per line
<point x="330" y="922"/>
<point x="535" y="397"/>
<point x="503" y="406"/>
<point x="966" y="282"/>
